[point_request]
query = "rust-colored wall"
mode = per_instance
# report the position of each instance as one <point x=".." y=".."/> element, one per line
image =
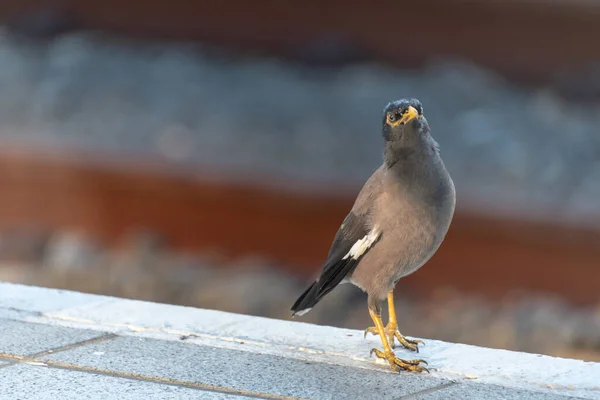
<point x="480" y="255"/>
<point x="525" y="39"/>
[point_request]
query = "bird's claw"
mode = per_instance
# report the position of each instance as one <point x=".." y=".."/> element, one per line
<point x="399" y="364"/>
<point x="372" y="330"/>
<point x="411" y="344"/>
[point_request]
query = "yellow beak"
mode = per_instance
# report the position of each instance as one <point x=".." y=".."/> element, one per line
<point x="409" y="115"/>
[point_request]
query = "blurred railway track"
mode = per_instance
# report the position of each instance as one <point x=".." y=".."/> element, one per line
<point x="199" y="212"/>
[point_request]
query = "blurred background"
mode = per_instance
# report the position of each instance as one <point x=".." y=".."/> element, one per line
<point x="205" y="154"/>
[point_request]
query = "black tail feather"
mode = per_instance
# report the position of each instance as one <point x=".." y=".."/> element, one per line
<point x="307" y="300"/>
<point x="328" y="280"/>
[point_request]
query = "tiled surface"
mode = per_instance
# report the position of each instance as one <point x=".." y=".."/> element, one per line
<point x="242" y="370"/>
<point x="488" y="392"/>
<point x="25" y="338"/>
<point x="28" y="382"/>
<point x="235" y="356"/>
<point x="341" y="346"/>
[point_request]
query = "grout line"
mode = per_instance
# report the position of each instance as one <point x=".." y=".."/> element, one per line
<point x="166" y="381"/>
<point x="97" y="339"/>
<point x="10" y="357"/>
<point x="14" y="358"/>
<point x="420" y="393"/>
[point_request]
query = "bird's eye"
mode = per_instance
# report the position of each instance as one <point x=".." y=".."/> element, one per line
<point x="391" y="117"/>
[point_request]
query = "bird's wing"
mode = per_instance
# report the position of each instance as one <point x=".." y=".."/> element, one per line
<point x="352" y="241"/>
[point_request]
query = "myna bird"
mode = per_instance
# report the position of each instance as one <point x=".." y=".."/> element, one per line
<point x="397" y="223"/>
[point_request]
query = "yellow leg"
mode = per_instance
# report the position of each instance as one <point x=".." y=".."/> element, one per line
<point x="388" y="354"/>
<point x="391" y="328"/>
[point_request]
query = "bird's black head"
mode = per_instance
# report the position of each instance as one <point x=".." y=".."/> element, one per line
<point x="402" y="117"/>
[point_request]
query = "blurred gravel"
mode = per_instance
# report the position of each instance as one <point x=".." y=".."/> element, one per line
<point x="508" y="148"/>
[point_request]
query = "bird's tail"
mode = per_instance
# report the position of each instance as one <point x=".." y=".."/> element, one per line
<point x="307" y="300"/>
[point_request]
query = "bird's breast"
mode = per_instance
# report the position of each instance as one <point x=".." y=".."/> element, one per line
<point x="413" y="227"/>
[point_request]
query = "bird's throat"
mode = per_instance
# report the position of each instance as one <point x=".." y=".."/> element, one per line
<point x="394" y="152"/>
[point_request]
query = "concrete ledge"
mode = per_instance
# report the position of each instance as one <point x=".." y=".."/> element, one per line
<point x="70" y="343"/>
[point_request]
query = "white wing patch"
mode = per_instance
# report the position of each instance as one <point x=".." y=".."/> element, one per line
<point x="361" y="246"/>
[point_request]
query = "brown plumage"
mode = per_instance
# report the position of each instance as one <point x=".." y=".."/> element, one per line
<point x="397" y="223"/>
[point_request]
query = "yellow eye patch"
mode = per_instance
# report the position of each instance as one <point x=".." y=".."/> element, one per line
<point x="410" y="114"/>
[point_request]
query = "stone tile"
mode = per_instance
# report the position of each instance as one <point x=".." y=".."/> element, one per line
<point x="26" y="338"/>
<point x="265" y="348"/>
<point x="32" y="383"/>
<point x="243" y="370"/>
<point x="221" y="329"/>
<point x="342" y="346"/>
<point x="491" y="392"/>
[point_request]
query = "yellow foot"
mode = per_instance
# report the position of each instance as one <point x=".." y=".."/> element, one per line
<point x="392" y="332"/>
<point x="399" y="364"/>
